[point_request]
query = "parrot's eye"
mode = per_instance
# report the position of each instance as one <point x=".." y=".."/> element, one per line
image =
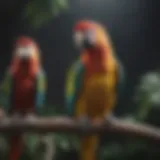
<point x="85" y="39"/>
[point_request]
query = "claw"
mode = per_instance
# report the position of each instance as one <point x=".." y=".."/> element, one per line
<point x="84" y="123"/>
<point x="108" y="119"/>
<point x="31" y="117"/>
<point x="2" y="113"/>
<point x="15" y="117"/>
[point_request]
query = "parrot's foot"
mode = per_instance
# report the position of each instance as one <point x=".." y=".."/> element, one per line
<point x="15" y="117"/>
<point x="2" y="114"/>
<point x="31" y="117"/>
<point x="108" y="119"/>
<point x="84" y="123"/>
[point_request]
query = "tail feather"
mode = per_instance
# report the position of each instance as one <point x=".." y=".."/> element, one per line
<point x="16" y="148"/>
<point x="89" y="146"/>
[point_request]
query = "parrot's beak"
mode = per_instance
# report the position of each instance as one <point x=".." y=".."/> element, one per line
<point x="24" y="57"/>
<point x="83" y="40"/>
<point x="87" y="44"/>
<point x="23" y="54"/>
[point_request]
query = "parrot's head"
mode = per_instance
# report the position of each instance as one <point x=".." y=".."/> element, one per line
<point x="26" y="53"/>
<point x="89" y="34"/>
<point x="26" y="49"/>
<point x="91" y="38"/>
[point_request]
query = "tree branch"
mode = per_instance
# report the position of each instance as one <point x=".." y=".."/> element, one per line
<point x="64" y="124"/>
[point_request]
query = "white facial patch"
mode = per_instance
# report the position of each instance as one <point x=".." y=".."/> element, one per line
<point x="24" y="52"/>
<point x="78" y="38"/>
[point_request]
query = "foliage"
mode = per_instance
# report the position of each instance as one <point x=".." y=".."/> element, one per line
<point x="41" y="11"/>
<point x="148" y="98"/>
<point x="150" y="87"/>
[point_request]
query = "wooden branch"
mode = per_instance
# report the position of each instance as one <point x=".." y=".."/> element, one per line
<point x="64" y="124"/>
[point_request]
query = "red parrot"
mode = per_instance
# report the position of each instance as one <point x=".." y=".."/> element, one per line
<point x="23" y="90"/>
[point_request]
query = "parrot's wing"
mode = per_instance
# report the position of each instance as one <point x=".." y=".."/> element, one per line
<point x="6" y="90"/>
<point x="41" y="87"/>
<point x="73" y="85"/>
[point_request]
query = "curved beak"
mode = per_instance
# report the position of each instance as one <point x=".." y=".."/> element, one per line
<point x="24" y="57"/>
<point x="83" y="40"/>
<point x="23" y="54"/>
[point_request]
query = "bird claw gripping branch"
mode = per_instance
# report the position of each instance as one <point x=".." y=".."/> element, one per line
<point x="84" y="124"/>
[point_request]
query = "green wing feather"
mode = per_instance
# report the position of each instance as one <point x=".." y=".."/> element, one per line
<point x="5" y="90"/>
<point x="41" y="89"/>
<point x="73" y="85"/>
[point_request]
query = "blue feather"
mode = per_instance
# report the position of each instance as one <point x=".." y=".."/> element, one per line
<point x="41" y="90"/>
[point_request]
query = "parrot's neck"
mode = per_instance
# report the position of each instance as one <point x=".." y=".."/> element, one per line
<point x="24" y="68"/>
<point x="97" y="60"/>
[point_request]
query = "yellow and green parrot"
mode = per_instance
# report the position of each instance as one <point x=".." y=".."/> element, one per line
<point x="94" y="81"/>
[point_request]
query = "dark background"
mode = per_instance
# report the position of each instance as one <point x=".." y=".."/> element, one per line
<point x="133" y="25"/>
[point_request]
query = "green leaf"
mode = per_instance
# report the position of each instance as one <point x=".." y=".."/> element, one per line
<point x="144" y="108"/>
<point x="39" y="12"/>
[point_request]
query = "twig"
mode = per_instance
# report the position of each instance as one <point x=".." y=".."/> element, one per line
<point x="65" y="124"/>
<point x="50" y="147"/>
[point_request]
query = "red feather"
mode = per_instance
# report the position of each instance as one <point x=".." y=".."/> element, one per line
<point x="25" y="41"/>
<point x="16" y="147"/>
<point x="84" y="25"/>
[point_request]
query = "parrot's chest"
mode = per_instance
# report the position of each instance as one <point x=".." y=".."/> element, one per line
<point x="24" y="92"/>
<point x="96" y="91"/>
<point x="24" y="85"/>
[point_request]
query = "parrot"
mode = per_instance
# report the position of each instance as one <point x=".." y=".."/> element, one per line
<point x="23" y="89"/>
<point x="93" y="82"/>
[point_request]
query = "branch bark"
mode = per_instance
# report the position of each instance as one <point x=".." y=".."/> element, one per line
<point x="65" y="124"/>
